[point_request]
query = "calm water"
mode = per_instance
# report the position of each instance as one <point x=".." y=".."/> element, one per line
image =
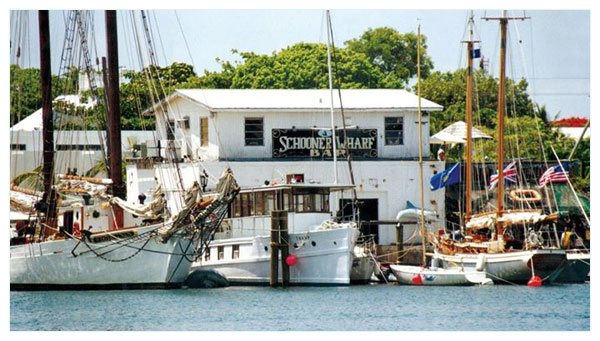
<point x="371" y="307"/>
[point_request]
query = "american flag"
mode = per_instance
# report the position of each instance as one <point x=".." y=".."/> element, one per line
<point x="554" y="174"/>
<point x="509" y="173"/>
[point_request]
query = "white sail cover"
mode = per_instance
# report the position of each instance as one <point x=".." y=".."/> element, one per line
<point x="153" y="210"/>
<point x="510" y="218"/>
<point x="94" y="190"/>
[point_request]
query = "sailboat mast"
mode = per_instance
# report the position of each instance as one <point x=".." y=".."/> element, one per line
<point x="47" y="115"/>
<point x="469" y="118"/>
<point x="333" y="135"/>
<point x="501" y="113"/>
<point x="423" y="231"/>
<point x="114" y="114"/>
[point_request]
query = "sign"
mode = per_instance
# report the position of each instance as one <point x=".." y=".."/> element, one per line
<point x="315" y="143"/>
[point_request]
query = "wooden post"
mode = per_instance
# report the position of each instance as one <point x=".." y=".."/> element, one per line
<point x="284" y="245"/>
<point x="399" y="240"/>
<point x="274" y="250"/>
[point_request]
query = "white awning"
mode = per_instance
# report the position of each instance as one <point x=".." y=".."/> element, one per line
<point x="445" y="138"/>
<point x="458" y="130"/>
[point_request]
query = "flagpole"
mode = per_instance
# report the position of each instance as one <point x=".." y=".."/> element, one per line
<point x="571" y="186"/>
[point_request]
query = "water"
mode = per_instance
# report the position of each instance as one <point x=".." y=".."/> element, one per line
<point x="370" y="307"/>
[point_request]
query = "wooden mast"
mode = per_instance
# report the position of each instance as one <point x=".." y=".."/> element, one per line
<point x="114" y="115"/>
<point x="423" y="230"/>
<point x="501" y="112"/>
<point x="469" y="118"/>
<point x="48" y="197"/>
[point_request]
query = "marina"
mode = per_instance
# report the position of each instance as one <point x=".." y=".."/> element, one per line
<point x="293" y="208"/>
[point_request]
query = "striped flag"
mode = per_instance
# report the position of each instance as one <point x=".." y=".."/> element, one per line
<point x="509" y="173"/>
<point x="555" y="174"/>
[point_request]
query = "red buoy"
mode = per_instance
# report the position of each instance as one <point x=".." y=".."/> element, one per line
<point x="291" y="260"/>
<point x="417" y="280"/>
<point x="535" y="281"/>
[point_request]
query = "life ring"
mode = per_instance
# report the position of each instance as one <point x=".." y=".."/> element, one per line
<point x="525" y="195"/>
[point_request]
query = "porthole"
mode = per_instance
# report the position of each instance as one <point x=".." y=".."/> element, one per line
<point x="313" y="243"/>
<point x="334" y="242"/>
<point x="266" y="249"/>
<point x="295" y="245"/>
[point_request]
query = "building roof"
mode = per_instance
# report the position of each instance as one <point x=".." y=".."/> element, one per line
<point x="288" y="99"/>
<point x="34" y="121"/>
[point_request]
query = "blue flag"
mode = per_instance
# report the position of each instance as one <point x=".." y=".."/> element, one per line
<point x="475" y="53"/>
<point x="446" y="178"/>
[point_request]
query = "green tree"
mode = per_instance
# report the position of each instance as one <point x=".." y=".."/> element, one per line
<point x="394" y="54"/>
<point x="300" y="66"/>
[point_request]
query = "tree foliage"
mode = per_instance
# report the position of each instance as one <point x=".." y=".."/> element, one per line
<point x="394" y="54"/>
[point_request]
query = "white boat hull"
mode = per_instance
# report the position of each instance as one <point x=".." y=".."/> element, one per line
<point x="324" y="258"/>
<point x="513" y="267"/>
<point x="438" y="276"/>
<point x="51" y="264"/>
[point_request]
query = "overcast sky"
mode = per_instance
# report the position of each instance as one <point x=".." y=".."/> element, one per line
<point x="552" y="49"/>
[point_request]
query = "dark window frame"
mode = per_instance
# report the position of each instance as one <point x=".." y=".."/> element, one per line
<point x="254" y="137"/>
<point x="393" y="127"/>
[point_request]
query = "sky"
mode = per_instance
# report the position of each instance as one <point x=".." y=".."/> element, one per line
<point x="551" y="49"/>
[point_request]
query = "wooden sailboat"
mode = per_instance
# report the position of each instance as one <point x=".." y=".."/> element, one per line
<point x="70" y="249"/>
<point x="423" y="275"/>
<point x="491" y="255"/>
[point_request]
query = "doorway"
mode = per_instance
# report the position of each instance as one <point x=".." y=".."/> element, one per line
<point x="368" y="210"/>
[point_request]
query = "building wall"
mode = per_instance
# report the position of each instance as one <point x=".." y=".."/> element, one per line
<point x="226" y="129"/>
<point x="22" y="161"/>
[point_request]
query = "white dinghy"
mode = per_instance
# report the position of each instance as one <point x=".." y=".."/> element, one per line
<point x="418" y="275"/>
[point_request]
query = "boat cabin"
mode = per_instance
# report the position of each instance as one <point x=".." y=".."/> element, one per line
<point x="308" y="205"/>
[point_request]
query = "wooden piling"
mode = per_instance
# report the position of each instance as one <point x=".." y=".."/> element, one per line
<point x="399" y="240"/>
<point x="284" y="245"/>
<point x="274" y="245"/>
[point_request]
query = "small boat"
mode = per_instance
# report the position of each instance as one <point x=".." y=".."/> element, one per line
<point x="418" y="275"/>
<point x="510" y="266"/>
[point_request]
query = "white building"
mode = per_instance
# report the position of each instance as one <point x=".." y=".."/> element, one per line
<point x="73" y="148"/>
<point x="266" y="135"/>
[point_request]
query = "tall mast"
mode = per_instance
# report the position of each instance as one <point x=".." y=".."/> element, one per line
<point x="423" y="231"/>
<point x="469" y="113"/>
<point x="333" y="137"/>
<point x="47" y="115"/>
<point x="501" y="112"/>
<point x="114" y="114"/>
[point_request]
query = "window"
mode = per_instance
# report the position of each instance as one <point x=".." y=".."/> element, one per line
<point x="17" y="147"/>
<point x="253" y="132"/>
<point x="394" y="130"/>
<point x="309" y="200"/>
<point x="220" y="252"/>
<point x="170" y="130"/>
<point x="260" y="203"/>
<point x="204" y="132"/>
<point x="64" y="147"/>
<point x="207" y="254"/>
<point x="235" y="252"/>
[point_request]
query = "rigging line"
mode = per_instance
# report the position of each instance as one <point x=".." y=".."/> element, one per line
<point x="187" y="46"/>
<point x="533" y="112"/>
<point x="184" y="140"/>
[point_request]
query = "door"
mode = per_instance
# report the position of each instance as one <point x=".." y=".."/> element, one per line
<point x="368" y="210"/>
